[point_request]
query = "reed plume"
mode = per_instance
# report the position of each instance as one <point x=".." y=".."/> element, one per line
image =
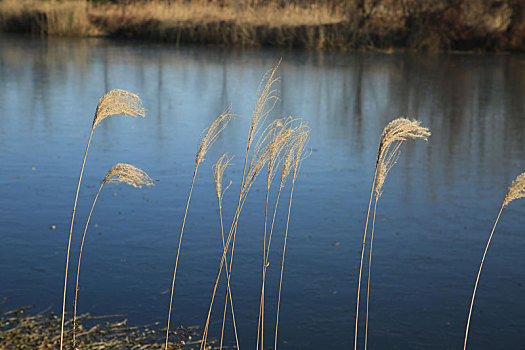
<point x="118" y="173"/>
<point x="393" y="136"/>
<point x="114" y="102"/>
<point x="207" y="141"/>
<point x="118" y="102"/>
<point x="266" y="99"/>
<point x="515" y="191"/>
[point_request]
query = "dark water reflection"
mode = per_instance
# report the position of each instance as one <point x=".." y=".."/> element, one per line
<point x="434" y="217"/>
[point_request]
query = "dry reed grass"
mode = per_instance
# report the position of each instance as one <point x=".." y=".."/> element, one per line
<point x="65" y="18"/>
<point x="266" y="99"/>
<point x="209" y="138"/>
<point x="280" y="144"/>
<point x="295" y="155"/>
<point x="284" y="137"/>
<point x="315" y="24"/>
<point x="515" y="191"/>
<point x="393" y="136"/>
<point x="114" y="102"/>
<point x="117" y="174"/>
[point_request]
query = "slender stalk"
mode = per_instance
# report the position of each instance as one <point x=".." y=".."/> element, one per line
<point x="226" y="302"/>
<point x="69" y="241"/>
<point x="233" y="229"/>
<point x="78" y="265"/>
<point x="477" y="277"/>
<point x="228" y="295"/>
<point x="260" y="328"/>
<point x="362" y="256"/>
<point x="369" y="269"/>
<point x="265" y="95"/>
<point x="178" y="253"/>
<point x="119" y="173"/>
<point x="282" y="262"/>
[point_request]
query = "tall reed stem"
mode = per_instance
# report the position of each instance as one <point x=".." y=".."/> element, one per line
<point x="69" y="241"/>
<point x="178" y="253"/>
<point x="363" y="254"/>
<point x="369" y="269"/>
<point x="78" y="265"/>
<point x="231" y="235"/>
<point x="260" y="327"/>
<point x="477" y="277"/>
<point x="282" y="261"/>
<point x="229" y="294"/>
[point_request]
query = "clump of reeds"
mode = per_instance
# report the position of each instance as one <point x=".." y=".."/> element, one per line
<point x="113" y="103"/>
<point x="285" y="140"/>
<point x="207" y="141"/>
<point x="393" y="136"/>
<point x="117" y="174"/>
<point x="280" y="144"/>
<point x="266" y="99"/>
<point x="293" y="158"/>
<point x="515" y="191"/>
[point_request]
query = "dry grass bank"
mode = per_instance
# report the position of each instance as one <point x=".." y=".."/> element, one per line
<point x="495" y="25"/>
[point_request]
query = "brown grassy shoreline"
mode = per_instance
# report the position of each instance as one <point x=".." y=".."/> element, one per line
<point x="437" y="25"/>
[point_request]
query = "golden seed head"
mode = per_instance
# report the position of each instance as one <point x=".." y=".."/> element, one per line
<point x="392" y="137"/>
<point x="118" y="102"/>
<point x="294" y="152"/>
<point x="218" y="173"/>
<point x="267" y="97"/>
<point x="516" y="190"/>
<point x="402" y="129"/>
<point x="211" y="135"/>
<point x="129" y="174"/>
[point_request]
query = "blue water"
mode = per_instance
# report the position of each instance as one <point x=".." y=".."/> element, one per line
<point x="437" y="208"/>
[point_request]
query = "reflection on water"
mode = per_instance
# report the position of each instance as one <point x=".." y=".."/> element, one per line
<point x="433" y="220"/>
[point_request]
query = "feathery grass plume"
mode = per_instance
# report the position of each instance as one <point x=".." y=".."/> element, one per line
<point x="298" y="148"/>
<point x="113" y="103"/>
<point x="515" y="191"/>
<point x="118" y="102"/>
<point x="211" y="135"/>
<point x="121" y="172"/>
<point x="218" y="174"/>
<point x="209" y="138"/>
<point x="393" y="136"/>
<point x="129" y="174"/>
<point x="266" y="99"/>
